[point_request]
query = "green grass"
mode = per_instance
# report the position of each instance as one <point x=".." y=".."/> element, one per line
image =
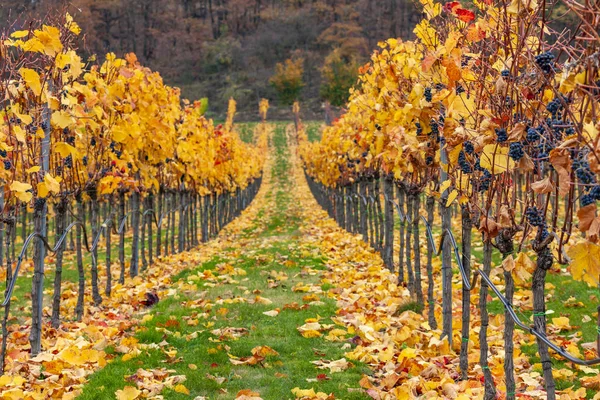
<point x="274" y="248"/>
<point x="313" y="130"/>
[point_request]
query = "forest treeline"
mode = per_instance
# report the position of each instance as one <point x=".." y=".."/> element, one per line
<point x="230" y="48"/>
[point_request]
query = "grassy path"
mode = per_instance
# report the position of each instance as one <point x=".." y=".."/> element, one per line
<point x="249" y="298"/>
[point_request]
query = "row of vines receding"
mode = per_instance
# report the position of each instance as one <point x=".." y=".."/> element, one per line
<point x="489" y="116"/>
<point x="112" y="148"/>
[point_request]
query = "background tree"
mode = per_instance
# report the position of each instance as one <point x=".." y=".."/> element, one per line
<point x="338" y="75"/>
<point x="287" y="80"/>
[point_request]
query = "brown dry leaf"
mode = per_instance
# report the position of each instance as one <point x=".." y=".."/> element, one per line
<point x="543" y="186"/>
<point x="489" y="227"/>
<point x="518" y="132"/>
<point x="264" y="351"/>
<point x="561" y="161"/>
<point x="333" y="366"/>
<point x="586" y="216"/>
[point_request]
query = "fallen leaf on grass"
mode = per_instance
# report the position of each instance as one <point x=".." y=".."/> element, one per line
<point x="310" y="394"/>
<point x="333" y="366"/>
<point x="230" y="333"/>
<point x="272" y="313"/>
<point x="128" y="393"/>
<point x="247" y="394"/>
<point x="181" y="389"/>
<point x="259" y="353"/>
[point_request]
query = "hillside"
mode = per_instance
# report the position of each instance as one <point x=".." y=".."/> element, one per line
<point x="224" y="48"/>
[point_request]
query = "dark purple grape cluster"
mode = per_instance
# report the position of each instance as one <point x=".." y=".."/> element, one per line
<point x="419" y="128"/>
<point x="463" y="163"/>
<point x="545" y="61"/>
<point x="501" y="135"/>
<point x="554" y="107"/>
<point x="533" y="135"/>
<point x="71" y="140"/>
<point x="93" y="142"/>
<point x="468" y="147"/>
<point x="505" y="73"/>
<point x="429" y="160"/>
<point x="85" y="160"/>
<point x="7" y="165"/>
<point x="583" y="172"/>
<point x="586" y="200"/>
<point x="534" y="217"/>
<point x="485" y="180"/>
<point x="3" y="153"/>
<point x="427" y="94"/>
<point x="516" y="151"/>
<point x="435" y="128"/>
<point x="595" y="192"/>
<point x="39" y="203"/>
<point x="478" y="166"/>
<point x="69" y="161"/>
<point x="459" y="88"/>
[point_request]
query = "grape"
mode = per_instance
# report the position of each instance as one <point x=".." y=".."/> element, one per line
<point x="485" y="180"/>
<point x="7" y="164"/>
<point x="93" y="141"/>
<point x="2" y="153"/>
<point x="69" y="161"/>
<point x="534" y="217"/>
<point x="429" y="160"/>
<point x="586" y="200"/>
<point x="419" y="129"/>
<point x="463" y="163"/>
<point x="595" y="192"/>
<point x="39" y="203"/>
<point x="516" y="151"/>
<point x="85" y="160"/>
<point x="545" y="61"/>
<point x="502" y="136"/>
<point x="505" y="73"/>
<point x="532" y="135"/>
<point x="459" y="89"/>
<point x="427" y="94"/>
<point x="468" y="147"/>
<point x="435" y="130"/>
<point x="554" y="106"/>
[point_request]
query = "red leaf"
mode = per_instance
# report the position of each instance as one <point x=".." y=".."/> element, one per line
<point x="449" y="7"/>
<point x="322" y="377"/>
<point x="464" y="15"/>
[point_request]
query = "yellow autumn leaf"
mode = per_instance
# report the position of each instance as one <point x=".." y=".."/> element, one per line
<point x="19" y="34"/>
<point x="20" y="134"/>
<point x="562" y="323"/>
<point x="128" y="393"/>
<point x="585" y="262"/>
<point x="32" y="80"/>
<point x="61" y="119"/>
<point x="65" y="149"/>
<point x="181" y="389"/>
<point x="495" y="159"/>
<point x="49" y="37"/>
<point x="48" y="185"/>
<point x="299" y="393"/>
<point x="22" y="191"/>
<point x="451" y="197"/>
